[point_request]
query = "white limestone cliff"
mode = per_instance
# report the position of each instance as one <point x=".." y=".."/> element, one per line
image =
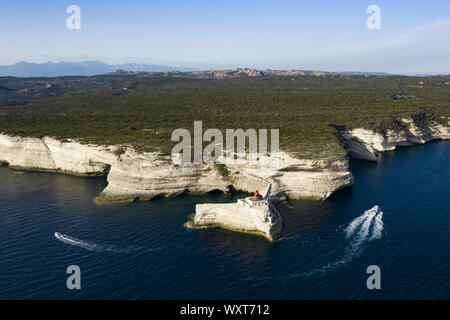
<point x="366" y="144"/>
<point x="144" y="176"/>
<point x="48" y="154"/>
<point x="133" y="175"/>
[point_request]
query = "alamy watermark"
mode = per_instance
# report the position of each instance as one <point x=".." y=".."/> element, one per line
<point x="73" y="22"/>
<point x="374" y="281"/>
<point x="74" y="280"/>
<point x="236" y="150"/>
<point x="374" y="20"/>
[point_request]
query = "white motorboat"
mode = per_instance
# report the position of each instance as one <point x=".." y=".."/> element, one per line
<point x="374" y="211"/>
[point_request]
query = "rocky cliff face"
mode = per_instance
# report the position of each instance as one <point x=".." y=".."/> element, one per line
<point x="145" y="176"/>
<point x="366" y="144"/>
<point x="47" y="154"/>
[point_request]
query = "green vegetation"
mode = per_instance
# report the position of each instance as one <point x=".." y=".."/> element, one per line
<point x="119" y="151"/>
<point x="143" y="111"/>
<point x="223" y="170"/>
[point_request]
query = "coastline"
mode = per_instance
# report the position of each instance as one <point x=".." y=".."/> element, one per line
<point x="312" y="229"/>
<point x="143" y="176"/>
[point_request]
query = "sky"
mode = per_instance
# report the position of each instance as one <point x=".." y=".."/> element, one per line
<point x="414" y="37"/>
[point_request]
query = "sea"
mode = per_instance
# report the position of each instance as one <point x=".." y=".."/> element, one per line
<point x="142" y="250"/>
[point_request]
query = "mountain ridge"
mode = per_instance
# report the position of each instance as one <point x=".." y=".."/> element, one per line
<point x="95" y="68"/>
<point x="236" y="72"/>
<point x="81" y="68"/>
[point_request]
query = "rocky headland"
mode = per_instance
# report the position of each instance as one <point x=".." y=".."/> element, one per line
<point x="133" y="175"/>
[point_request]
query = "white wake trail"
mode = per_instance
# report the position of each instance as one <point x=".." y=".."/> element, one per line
<point x="361" y="230"/>
<point x="91" y="246"/>
<point x="362" y="235"/>
<point x="355" y="224"/>
<point x="378" y="227"/>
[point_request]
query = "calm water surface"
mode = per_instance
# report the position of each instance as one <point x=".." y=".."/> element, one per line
<point x="143" y="251"/>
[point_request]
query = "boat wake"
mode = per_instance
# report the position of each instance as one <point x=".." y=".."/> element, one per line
<point x="91" y="246"/>
<point x="378" y="226"/>
<point x="363" y="229"/>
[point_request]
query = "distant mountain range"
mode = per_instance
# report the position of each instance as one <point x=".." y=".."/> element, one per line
<point x="92" y="68"/>
<point x="234" y="73"/>
<point x="83" y="68"/>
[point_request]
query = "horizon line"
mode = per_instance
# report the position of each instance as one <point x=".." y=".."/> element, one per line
<point x="219" y="68"/>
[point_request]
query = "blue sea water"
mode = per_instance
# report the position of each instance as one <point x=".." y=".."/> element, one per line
<point x="143" y="251"/>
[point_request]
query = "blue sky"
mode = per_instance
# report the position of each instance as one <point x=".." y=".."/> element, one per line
<point x="280" y="34"/>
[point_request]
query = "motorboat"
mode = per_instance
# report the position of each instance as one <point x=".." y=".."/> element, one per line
<point x="374" y="211"/>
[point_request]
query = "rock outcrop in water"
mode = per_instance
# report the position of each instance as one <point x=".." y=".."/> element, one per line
<point x="260" y="217"/>
<point x="144" y="176"/>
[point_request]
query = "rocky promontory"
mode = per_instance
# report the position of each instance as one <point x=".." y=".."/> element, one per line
<point x="261" y="217"/>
